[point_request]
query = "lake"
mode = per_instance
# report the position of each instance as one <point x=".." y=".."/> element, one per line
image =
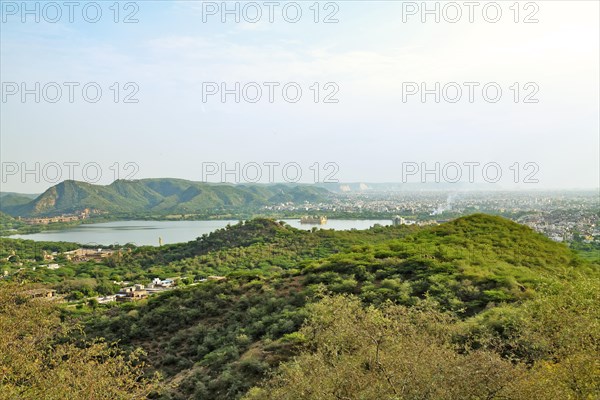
<point x="147" y="232"/>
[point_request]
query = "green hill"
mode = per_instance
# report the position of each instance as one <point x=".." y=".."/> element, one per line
<point x="217" y="339"/>
<point x="29" y="196"/>
<point x="14" y="199"/>
<point x="465" y="264"/>
<point x="156" y="196"/>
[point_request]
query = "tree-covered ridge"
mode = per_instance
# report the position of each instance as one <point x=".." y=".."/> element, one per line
<point x="261" y="245"/>
<point x="158" y="196"/>
<point x="14" y="199"/>
<point x="465" y="264"/>
<point x="214" y="340"/>
<point x="549" y="349"/>
<point x="31" y="248"/>
<point x="217" y="339"/>
<point x="258" y="248"/>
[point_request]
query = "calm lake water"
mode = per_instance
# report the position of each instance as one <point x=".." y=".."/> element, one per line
<point x="148" y="232"/>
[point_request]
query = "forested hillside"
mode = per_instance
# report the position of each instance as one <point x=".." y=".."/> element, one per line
<point x="478" y="280"/>
<point x="156" y="196"/>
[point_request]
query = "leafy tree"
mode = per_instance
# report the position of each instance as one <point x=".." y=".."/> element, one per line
<point x="92" y="303"/>
<point x="397" y="352"/>
<point x="39" y="361"/>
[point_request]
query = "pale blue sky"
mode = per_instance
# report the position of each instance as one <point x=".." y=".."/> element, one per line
<point x="369" y="53"/>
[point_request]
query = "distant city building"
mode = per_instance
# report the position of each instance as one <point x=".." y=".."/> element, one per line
<point x="132" y="293"/>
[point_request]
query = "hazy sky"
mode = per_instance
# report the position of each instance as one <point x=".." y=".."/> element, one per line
<point x="369" y="58"/>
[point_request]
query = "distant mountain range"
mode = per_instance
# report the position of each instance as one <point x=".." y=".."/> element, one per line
<point x="8" y="199"/>
<point x="157" y="196"/>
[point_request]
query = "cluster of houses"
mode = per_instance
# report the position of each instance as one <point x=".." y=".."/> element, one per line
<point x="138" y="291"/>
<point x="85" y="214"/>
<point x="125" y="294"/>
<point x="79" y="255"/>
